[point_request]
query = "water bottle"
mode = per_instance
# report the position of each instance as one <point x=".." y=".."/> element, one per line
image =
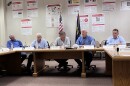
<point x="12" y="46"/>
<point x="63" y="45"/>
<point x="25" y="45"/>
<point x="36" y="45"/>
<point x="117" y="49"/>
<point x="93" y="42"/>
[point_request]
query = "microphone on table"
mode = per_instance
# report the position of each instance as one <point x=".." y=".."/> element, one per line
<point x="117" y="49"/>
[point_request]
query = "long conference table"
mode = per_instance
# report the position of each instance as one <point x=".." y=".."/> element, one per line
<point x="117" y="64"/>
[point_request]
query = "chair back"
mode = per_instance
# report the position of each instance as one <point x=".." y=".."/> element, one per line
<point x="104" y="42"/>
<point x="97" y="44"/>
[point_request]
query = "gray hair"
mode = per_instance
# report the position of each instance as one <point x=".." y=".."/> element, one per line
<point x="84" y="30"/>
<point x="39" y="34"/>
<point x="10" y="35"/>
<point x="62" y="33"/>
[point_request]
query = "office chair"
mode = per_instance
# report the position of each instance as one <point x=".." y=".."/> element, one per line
<point x="104" y="42"/>
<point x="97" y="45"/>
<point x="128" y="44"/>
<point x="97" y="54"/>
<point x="64" y="67"/>
<point x="92" y="67"/>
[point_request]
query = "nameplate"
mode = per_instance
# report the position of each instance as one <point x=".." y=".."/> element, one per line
<point x="17" y="49"/>
<point x="29" y="48"/>
<point x="125" y="55"/>
<point x="121" y="46"/>
<point x="88" y="47"/>
<point x="4" y="49"/>
<point x="108" y="46"/>
<point x="124" y="49"/>
<point x="56" y="48"/>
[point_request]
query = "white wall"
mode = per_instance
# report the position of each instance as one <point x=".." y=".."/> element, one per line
<point x="117" y="19"/>
<point x="2" y="23"/>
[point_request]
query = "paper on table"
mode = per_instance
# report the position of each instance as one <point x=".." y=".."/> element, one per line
<point x="1" y="50"/>
<point x="29" y="48"/>
<point x="125" y="50"/>
<point x="5" y="49"/>
<point x="122" y="46"/>
<point x="108" y="46"/>
<point x="125" y="55"/>
<point x="19" y="48"/>
<point x="55" y="48"/>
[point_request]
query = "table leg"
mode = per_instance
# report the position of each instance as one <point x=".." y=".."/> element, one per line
<point x="11" y="63"/>
<point x="83" y="74"/>
<point x="39" y="63"/>
<point x="108" y="64"/>
<point x="121" y="73"/>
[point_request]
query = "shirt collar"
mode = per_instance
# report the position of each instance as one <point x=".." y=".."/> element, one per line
<point x="84" y="37"/>
<point x="116" y="38"/>
<point x="64" y="40"/>
<point x="13" y="40"/>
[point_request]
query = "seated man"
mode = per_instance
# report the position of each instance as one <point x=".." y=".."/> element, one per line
<point x="116" y="39"/>
<point x="62" y="40"/>
<point x="16" y="43"/>
<point x="85" y="40"/>
<point x="39" y="43"/>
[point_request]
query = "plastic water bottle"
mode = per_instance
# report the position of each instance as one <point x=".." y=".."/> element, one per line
<point x="36" y="45"/>
<point x="12" y="46"/>
<point x="63" y="45"/>
<point x="25" y="44"/>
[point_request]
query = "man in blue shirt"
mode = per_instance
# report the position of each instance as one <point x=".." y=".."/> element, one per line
<point x="38" y="43"/>
<point x="85" y="40"/>
<point x="116" y="39"/>
<point x="16" y="43"/>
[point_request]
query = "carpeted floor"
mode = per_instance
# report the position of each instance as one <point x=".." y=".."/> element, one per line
<point x="52" y="77"/>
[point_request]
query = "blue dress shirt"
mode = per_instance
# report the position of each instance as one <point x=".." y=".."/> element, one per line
<point x="16" y="43"/>
<point x="88" y="40"/>
<point x="119" y="39"/>
<point x="42" y="44"/>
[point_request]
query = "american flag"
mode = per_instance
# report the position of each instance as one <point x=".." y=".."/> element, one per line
<point x="60" y="24"/>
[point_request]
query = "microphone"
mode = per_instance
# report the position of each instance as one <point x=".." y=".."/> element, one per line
<point x="117" y="49"/>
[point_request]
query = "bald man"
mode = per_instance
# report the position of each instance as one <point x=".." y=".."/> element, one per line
<point x="39" y="43"/>
<point x="16" y="43"/>
<point x="84" y="39"/>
